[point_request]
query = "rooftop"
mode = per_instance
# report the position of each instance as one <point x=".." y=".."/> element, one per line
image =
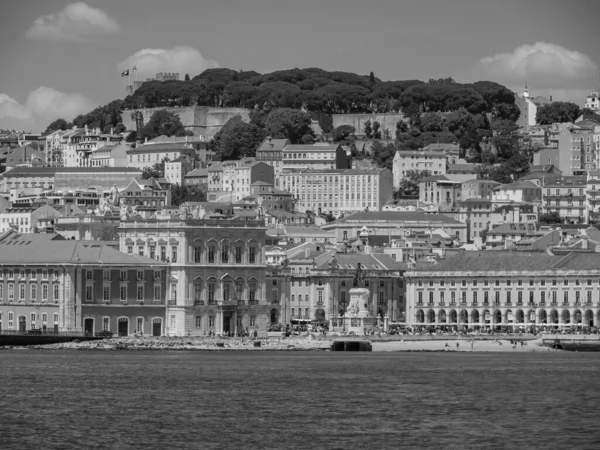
<point x="395" y="216"/>
<point x="21" y="248"/>
<point x="501" y="261"/>
<point x="272" y="144"/>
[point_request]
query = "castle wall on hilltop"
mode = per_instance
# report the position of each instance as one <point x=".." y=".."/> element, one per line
<point x="387" y="121"/>
<point x="202" y="120"/>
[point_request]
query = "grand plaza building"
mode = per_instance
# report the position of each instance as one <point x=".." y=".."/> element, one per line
<point x="505" y="290"/>
<point x="217" y="273"/>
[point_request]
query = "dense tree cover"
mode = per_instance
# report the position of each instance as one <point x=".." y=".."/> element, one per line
<point x="506" y="172"/>
<point x="161" y="123"/>
<point x="505" y="138"/>
<point x="320" y="90"/>
<point x="557" y="112"/>
<point x="288" y="123"/>
<point x="58" y="124"/>
<point x="181" y="194"/>
<point x="157" y="170"/>
<point x="341" y="133"/>
<point x="383" y="154"/>
<point x="550" y="217"/>
<point x="409" y="185"/>
<point x="102" y="116"/>
<point x="237" y="139"/>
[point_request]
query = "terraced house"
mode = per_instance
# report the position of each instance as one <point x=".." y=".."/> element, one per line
<point x="53" y="284"/>
<point x="217" y="272"/>
<point x="491" y="290"/>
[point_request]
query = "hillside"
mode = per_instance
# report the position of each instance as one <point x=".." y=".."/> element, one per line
<point x="318" y="91"/>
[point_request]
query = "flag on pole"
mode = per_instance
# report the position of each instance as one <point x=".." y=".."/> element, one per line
<point x="134" y="69"/>
<point x="125" y="73"/>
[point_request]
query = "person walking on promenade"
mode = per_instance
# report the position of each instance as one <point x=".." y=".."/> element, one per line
<point x="457" y="345"/>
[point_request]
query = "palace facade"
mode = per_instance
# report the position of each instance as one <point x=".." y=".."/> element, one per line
<point x="505" y="290"/>
<point x="217" y="269"/>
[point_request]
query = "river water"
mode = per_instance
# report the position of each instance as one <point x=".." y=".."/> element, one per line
<point x="298" y="400"/>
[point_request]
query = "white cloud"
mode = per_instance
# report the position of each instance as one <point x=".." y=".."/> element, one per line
<point x="182" y="60"/>
<point x="542" y="64"/>
<point x="75" y="22"/>
<point x="42" y="106"/>
<point x="10" y="108"/>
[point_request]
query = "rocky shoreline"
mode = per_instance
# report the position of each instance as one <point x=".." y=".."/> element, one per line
<point x="186" y="344"/>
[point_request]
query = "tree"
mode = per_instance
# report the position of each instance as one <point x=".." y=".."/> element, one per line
<point x="587" y="112"/>
<point x="401" y="127"/>
<point x="557" y="112"/>
<point x="161" y="123"/>
<point x="308" y="139"/>
<point x="550" y="217"/>
<point x="181" y="194"/>
<point x="342" y="132"/>
<point x="120" y="128"/>
<point x="372" y="78"/>
<point x="187" y="77"/>
<point x="432" y="121"/>
<point x="155" y="171"/>
<point x="239" y="140"/>
<point x="58" y="124"/>
<point x="505" y="138"/>
<point x="287" y="123"/>
<point x="376" y="130"/>
<point x="368" y="130"/>
<point x="409" y="185"/>
<point x="383" y="154"/>
<point x="131" y="137"/>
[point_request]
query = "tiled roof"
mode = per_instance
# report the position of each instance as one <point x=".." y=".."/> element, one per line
<point x="349" y="261"/>
<point x="272" y="144"/>
<point x="420" y="153"/>
<point x="434" y="178"/>
<point x="18" y="248"/>
<point x="441" y="147"/>
<point x="513" y="229"/>
<point x="395" y="216"/>
<point x="197" y="173"/>
<point x="519" y="184"/>
<point x="311" y="147"/>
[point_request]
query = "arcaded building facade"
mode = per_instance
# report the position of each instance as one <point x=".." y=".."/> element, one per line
<point x="505" y="290"/>
<point x="216" y="283"/>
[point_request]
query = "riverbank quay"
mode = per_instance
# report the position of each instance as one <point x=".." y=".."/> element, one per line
<point x="187" y="344"/>
<point x="311" y="342"/>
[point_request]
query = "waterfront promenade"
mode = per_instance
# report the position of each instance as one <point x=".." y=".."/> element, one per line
<point x="409" y="343"/>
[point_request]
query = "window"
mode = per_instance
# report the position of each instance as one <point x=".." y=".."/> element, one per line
<point x="156" y="293"/>
<point x="106" y="324"/>
<point x="497" y="297"/>
<point x="566" y="298"/>
<point x="225" y="253"/>
<point x="106" y="293"/>
<point x="211" y="321"/>
<point x="252" y="292"/>
<point x="140" y="293"/>
<point x="211" y="292"/>
<point x="123" y="275"/>
<point x="141" y="250"/>
<point x="173" y="254"/>
<point x="140" y="275"/>
<point x="130" y="249"/>
<point x="89" y="292"/>
<point x="44" y="292"/>
<point x="123" y="293"/>
<point x="252" y="255"/>
<point x="163" y="253"/>
<point x="89" y="274"/>
<point x="198" y="321"/>
<point x="238" y="255"/>
<point x="56" y="292"/>
<point x="420" y="298"/>
<point x="252" y="321"/>
<point x="211" y="255"/>
<point x="226" y="296"/>
<point x="197" y="254"/>
<point x="139" y="325"/>
<point x="520" y="297"/>
<point x="21" y="292"/>
<point x="106" y="274"/>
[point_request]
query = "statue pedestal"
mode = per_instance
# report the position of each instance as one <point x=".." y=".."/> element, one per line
<point x="358" y="317"/>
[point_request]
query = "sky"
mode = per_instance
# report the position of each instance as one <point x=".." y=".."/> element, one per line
<point x="61" y="59"/>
